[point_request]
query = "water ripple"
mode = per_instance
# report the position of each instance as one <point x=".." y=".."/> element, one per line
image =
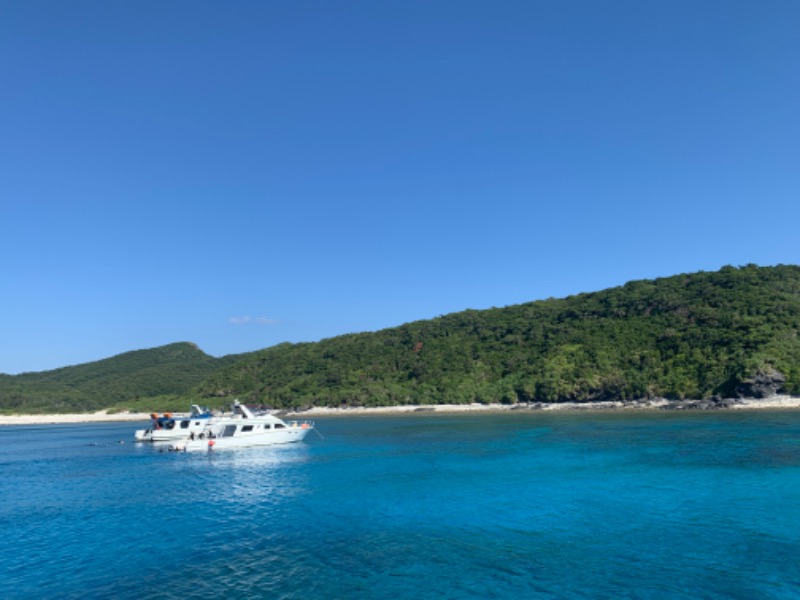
<point x="655" y="506"/>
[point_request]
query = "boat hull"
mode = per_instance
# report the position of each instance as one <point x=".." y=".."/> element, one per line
<point x="193" y="426"/>
<point x="169" y="428"/>
<point x="270" y="438"/>
<point x="241" y="428"/>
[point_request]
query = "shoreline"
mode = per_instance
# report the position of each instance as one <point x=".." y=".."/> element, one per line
<point x="654" y="405"/>
<point x="101" y="416"/>
<point x="773" y="403"/>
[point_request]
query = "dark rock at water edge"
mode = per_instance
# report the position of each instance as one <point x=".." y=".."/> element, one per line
<point x="713" y="403"/>
<point x="764" y="384"/>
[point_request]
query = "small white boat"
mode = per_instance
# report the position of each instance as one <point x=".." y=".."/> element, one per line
<point x="171" y="428"/>
<point x="242" y="429"/>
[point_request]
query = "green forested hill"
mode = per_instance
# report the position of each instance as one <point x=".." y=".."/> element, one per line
<point x="114" y="382"/>
<point x="687" y="336"/>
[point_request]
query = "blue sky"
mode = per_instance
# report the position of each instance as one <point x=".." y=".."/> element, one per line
<point x="239" y="174"/>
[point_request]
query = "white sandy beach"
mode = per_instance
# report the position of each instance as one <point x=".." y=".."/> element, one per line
<point x="100" y="416"/>
<point x="776" y="402"/>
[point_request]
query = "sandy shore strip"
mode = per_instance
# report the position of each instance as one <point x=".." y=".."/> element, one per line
<point x="776" y="402"/>
<point x="100" y="416"/>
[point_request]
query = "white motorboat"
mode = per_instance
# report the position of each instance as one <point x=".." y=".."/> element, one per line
<point x="242" y="429"/>
<point x="171" y="428"/>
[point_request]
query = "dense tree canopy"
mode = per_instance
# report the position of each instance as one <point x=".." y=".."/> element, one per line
<point x="115" y="382"/>
<point x="687" y="336"/>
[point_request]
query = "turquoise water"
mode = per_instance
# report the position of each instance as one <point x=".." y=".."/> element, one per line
<point x="655" y="505"/>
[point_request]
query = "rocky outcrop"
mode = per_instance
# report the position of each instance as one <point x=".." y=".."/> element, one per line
<point x="765" y="383"/>
<point x="713" y="403"/>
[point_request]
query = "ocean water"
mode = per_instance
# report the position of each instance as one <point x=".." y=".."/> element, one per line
<point x="512" y="505"/>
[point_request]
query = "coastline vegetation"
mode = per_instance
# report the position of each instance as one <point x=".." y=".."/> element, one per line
<point x="138" y="380"/>
<point x="688" y="336"/>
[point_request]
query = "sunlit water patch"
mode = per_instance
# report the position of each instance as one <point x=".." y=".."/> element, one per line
<point x="653" y="505"/>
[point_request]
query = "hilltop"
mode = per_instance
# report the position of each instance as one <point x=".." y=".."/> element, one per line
<point x="726" y="333"/>
<point x="730" y="333"/>
<point x="133" y="379"/>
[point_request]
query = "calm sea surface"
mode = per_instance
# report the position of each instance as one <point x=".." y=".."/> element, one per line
<point x="655" y="505"/>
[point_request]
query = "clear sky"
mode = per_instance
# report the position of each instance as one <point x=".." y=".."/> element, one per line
<point x="239" y="174"/>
